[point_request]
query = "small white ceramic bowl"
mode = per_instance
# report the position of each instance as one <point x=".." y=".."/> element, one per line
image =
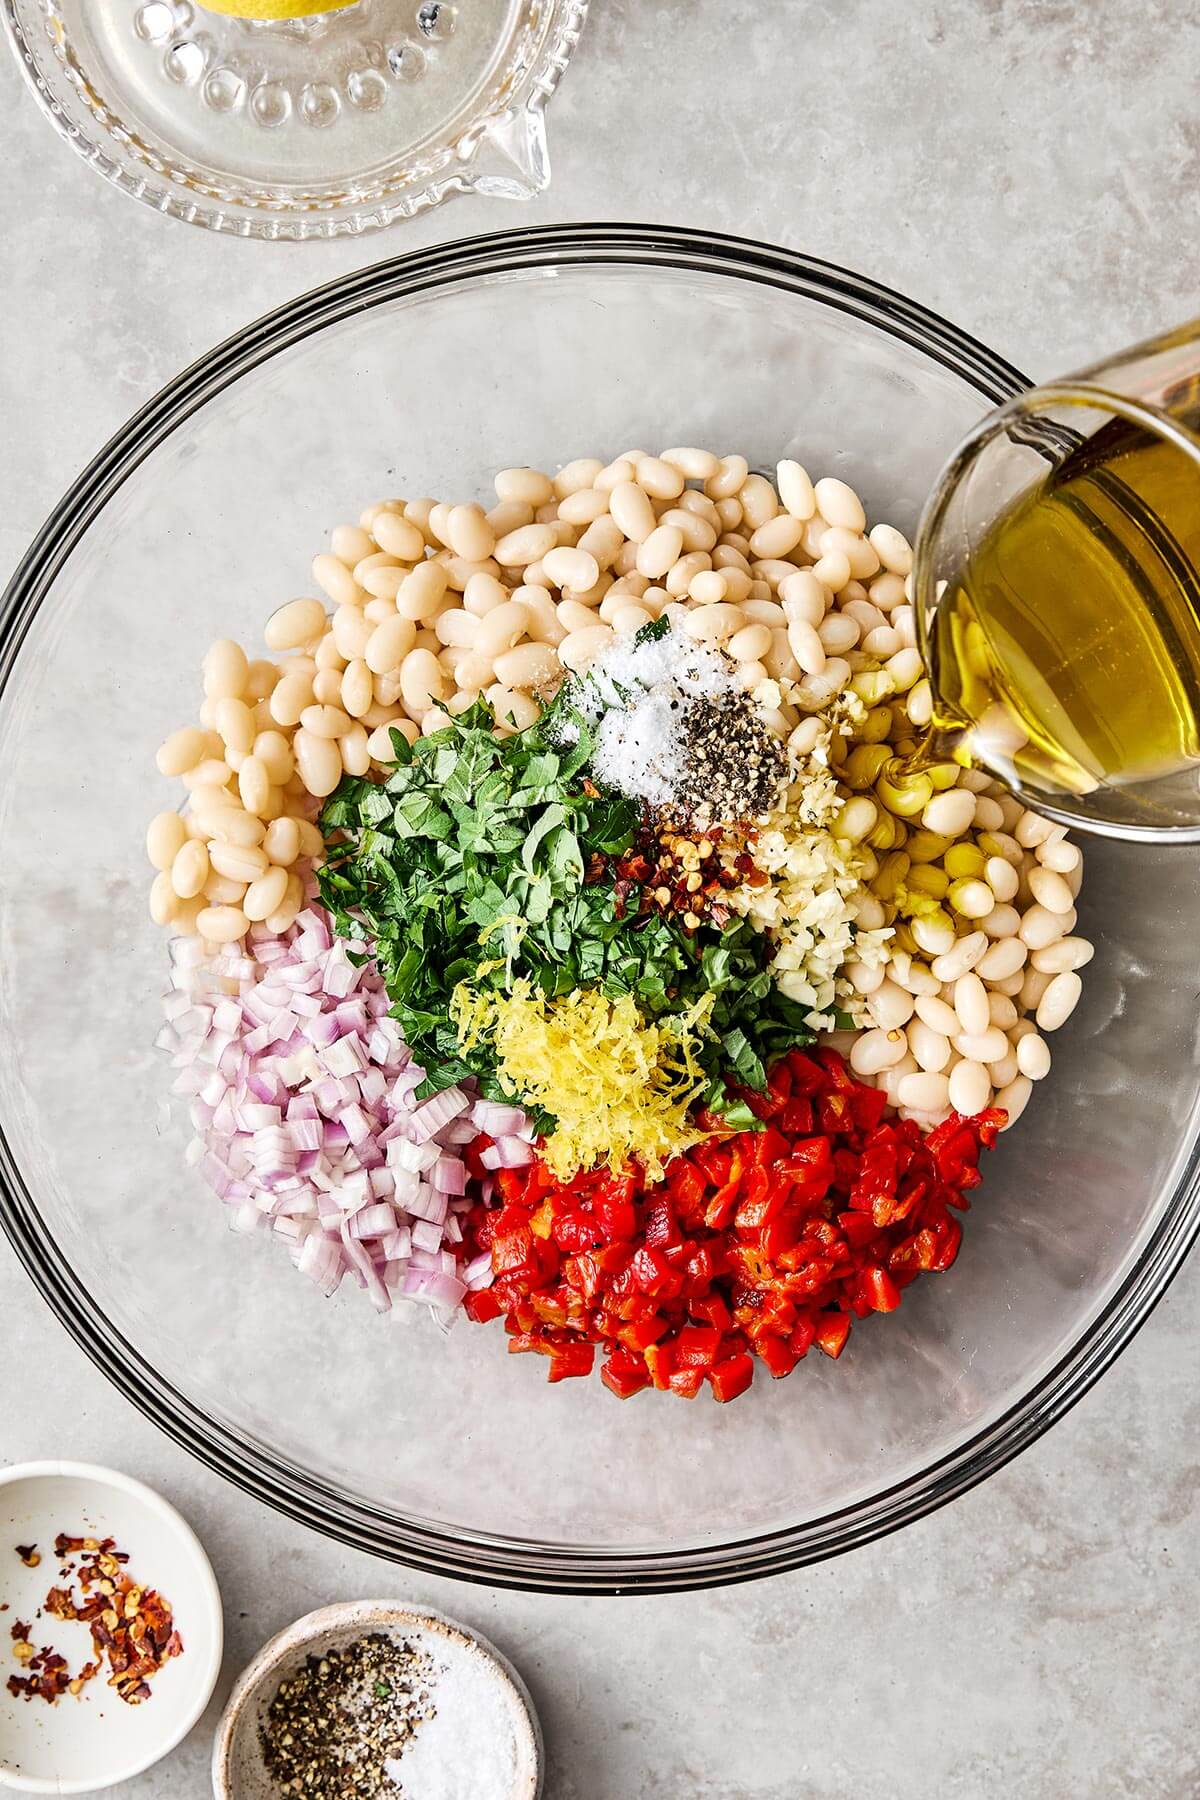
<point x="237" y="1769"/>
<point x="97" y="1740"/>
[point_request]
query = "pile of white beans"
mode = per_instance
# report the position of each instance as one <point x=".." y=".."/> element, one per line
<point x="430" y="607"/>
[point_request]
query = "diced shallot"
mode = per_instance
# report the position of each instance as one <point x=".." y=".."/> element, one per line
<point x="302" y="1099"/>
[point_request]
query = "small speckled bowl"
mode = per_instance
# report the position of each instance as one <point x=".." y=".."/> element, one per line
<point x="237" y="1768"/>
<point x="95" y="1741"/>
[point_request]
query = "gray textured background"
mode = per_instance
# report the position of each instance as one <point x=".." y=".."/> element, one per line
<point x="1029" y="168"/>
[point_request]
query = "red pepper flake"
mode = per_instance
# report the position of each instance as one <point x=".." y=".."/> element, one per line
<point x="755" y="1246"/>
<point x="130" y="1625"/>
<point x="29" y="1555"/>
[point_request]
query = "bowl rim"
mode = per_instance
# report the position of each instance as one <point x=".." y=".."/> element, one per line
<point x="271" y="1476"/>
<point x="100" y="1476"/>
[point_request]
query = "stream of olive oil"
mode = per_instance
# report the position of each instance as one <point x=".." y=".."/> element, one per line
<point x="1067" y="652"/>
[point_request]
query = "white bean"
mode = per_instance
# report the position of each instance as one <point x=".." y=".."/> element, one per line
<point x="924" y="1092"/>
<point x="1001" y="1010"/>
<point x="864" y="978"/>
<point x="165" y="837"/>
<point x="661" y="479"/>
<point x="632" y="511"/>
<point x="1001" y="922"/>
<point x="422" y="683"/>
<point x="515" y="710"/>
<point x="832" y="571"/>
<point x="776" y="537"/>
<point x="1057" y="854"/>
<point x="1032" y="830"/>
<point x="982" y="1046"/>
<point x="839" y="504"/>
<point x="1002" y="878"/>
<point x="1050" y="890"/>
<point x="400" y="537"/>
<point x="222" y="924"/>
<point x="1067" y="953"/>
<point x="568" y="568"/>
<point x="795" y="490"/>
<point x="749" y="644"/>
<point x="225" y="670"/>
<point x="893" y="550"/>
<point x="190" y="869"/>
<point x="806" y="647"/>
<point x="321" y="721"/>
<point x="1033" y="1056"/>
<point x="971" y="1003"/>
<point x="529" y="485"/>
<point x="950" y="814"/>
<point x="337" y="581"/>
<point x="713" y="624"/>
<point x="351" y="631"/>
<point x="931" y="1048"/>
<point x="660" y="551"/>
<point x="319" y="762"/>
<point x="804" y="598"/>
<point x="970" y="1088"/>
<point x="890" y="1005"/>
<point x="1040" y="928"/>
<point x="355" y="749"/>
<point x="290" y="698"/>
<point x="938" y="1016"/>
<point x="837" y="634"/>
<point x="579" y="647"/>
<point x="528" y="666"/>
<point x="182" y="751"/>
<point x="692" y="463"/>
<point x="889" y="1079"/>
<point x="389" y="644"/>
<point x="876" y="1050"/>
<point x="1034" y="983"/>
<point x="934" y="935"/>
<point x="1059" y="1000"/>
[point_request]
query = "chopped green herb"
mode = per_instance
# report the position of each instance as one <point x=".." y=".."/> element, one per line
<point x="470" y="863"/>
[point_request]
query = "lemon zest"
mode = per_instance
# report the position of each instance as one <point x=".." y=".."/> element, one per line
<point x="618" y="1085"/>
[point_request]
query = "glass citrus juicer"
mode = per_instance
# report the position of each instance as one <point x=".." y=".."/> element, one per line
<point x="1056" y="586"/>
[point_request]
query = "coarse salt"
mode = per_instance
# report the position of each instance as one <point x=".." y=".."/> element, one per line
<point x="477" y="1743"/>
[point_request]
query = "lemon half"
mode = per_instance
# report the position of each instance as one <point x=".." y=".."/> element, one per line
<point x="274" y="9"/>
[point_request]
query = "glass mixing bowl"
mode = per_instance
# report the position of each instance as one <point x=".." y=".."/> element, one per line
<point x="424" y="375"/>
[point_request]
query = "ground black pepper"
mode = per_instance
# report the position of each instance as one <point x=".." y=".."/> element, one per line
<point x="335" y="1724"/>
<point x="733" y="763"/>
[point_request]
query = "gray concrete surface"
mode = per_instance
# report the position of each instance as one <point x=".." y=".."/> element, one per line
<point x="1029" y="168"/>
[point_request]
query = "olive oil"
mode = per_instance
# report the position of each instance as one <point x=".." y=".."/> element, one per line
<point x="1066" y="654"/>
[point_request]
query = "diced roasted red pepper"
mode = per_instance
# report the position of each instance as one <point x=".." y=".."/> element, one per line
<point x="732" y="1377"/>
<point x="482" y="1306"/>
<point x="831" y="1333"/>
<point x="571" y="1359"/>
<point x="625" y="1374"/>
<point x="778" y="1355"/>
<point x="697" y="1346"/>
<point x="660" y="1361"/>
<point x="686" y="1382"/>
<point x="756" y="1244"/>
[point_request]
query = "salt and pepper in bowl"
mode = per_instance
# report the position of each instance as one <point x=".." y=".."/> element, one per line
<point x="375" y="1696"/>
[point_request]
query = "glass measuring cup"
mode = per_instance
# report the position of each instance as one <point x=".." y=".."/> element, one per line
<point x="1148" y="396"/>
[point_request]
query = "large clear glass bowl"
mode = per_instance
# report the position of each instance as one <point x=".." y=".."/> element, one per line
<point x="423" y="375"/>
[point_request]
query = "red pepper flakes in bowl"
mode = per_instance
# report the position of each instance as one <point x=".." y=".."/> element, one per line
<point x="132" y="1626"/>
<point x="755" y="1245"/>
